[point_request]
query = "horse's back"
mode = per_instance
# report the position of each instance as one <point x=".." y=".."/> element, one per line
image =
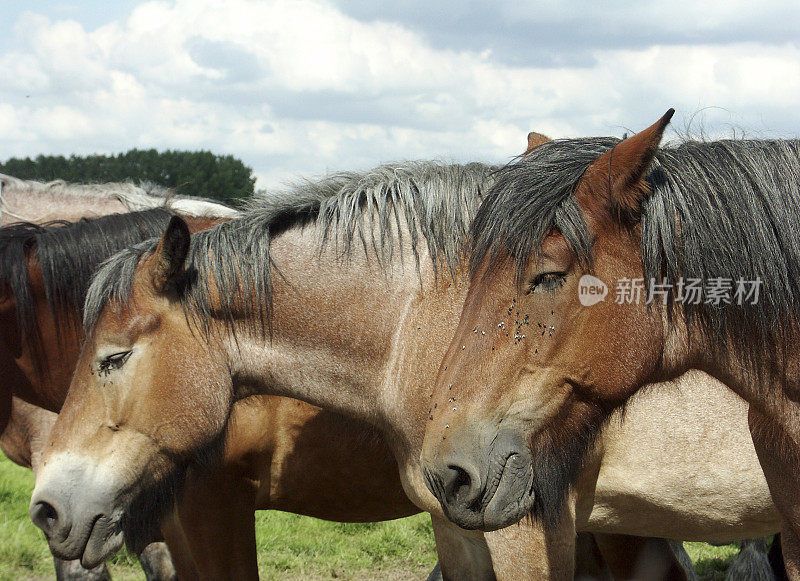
<point x="682" y="454"/>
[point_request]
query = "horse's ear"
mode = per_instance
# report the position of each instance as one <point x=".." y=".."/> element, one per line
<point x="170" y="254"/>
<point x="621" y="171"/>
<point x="535" y="140"/>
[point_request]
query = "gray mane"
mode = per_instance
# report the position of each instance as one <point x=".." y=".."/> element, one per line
<point x="134" y="197"/>
<point x="368" y="210"/>
<point x="116" y="190"/>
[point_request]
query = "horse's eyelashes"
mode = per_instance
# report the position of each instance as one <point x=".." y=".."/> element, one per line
<point x="547" y="281"/>
<point x="114" y="361"/>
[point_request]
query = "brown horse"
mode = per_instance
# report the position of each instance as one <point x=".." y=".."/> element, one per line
<point x="599" y="265"/>
<point x="22" y="362"/>
<point x="45" y="271"/>
<point x="180" y="331"/>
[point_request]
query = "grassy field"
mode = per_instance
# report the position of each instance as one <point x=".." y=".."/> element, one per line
<point x="289" y="546"/>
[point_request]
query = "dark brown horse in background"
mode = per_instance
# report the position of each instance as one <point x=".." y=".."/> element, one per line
<point x="38" y="202"/>
<point x="579" y="216"/>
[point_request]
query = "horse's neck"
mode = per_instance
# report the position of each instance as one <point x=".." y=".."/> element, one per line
<point x="352" y="335"/>
<point x="42" y="206"/>
<point x="423" y="338"/>
<point x="35" y="373"/>
<point x="333" y="328"/>
<point x="697" y="348"/>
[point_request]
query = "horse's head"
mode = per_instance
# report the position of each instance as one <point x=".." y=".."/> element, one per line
<point x="148" y="397"/>
<point x="544" y="350"/>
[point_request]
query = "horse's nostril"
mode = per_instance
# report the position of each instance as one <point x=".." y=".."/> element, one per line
<point x="459" y="478"/>
<point x="459" y="485"/>
<point x="44" y="516"/>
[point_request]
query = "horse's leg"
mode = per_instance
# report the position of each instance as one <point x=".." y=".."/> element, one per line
<point x="775" y="557"/>
<point x="778" y="455"/>
<point x="462" y="554"/>
<point x="683" y="558"/>
<point x="5" y="408"/>
<point x="589" y="562"/>
<point x="527" y="550"/>
<point x="436" y="574"/>
<point x="178" y="546"/>
<point x="156" y="563"/>
<point x="74" y="571"/>
<point x="631" y="557"/>
<point x="751" y="562"/>
<point x="685" y="561"/>
<point x="217" y="515"/>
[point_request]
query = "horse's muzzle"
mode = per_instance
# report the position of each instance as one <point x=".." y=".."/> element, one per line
<point x="77" y="512"/>
<point x="485" y="487"/>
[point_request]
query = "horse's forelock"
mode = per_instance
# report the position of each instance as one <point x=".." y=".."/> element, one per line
<point x="113" y="281"/>
<point x="530" y="198"/>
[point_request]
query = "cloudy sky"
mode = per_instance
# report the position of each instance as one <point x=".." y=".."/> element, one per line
<point x="301" y="87"/>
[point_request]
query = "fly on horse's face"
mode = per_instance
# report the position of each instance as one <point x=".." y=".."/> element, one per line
<point x="147" y="397"/>
<point x="538" y="360"/>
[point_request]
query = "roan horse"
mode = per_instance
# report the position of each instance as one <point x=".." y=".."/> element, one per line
<point x="39" y="202"/>
<point x="181" y="329"/>
<point x="707" y="233"/>
<point x="273" y="442"/>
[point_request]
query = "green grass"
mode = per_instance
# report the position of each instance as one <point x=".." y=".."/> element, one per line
<point x="289" y="546"/>
<point x="711" y="562"/>
<point x="294" y="546"/>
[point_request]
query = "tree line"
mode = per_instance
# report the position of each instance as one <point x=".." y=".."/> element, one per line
<point x="197" y="173"/>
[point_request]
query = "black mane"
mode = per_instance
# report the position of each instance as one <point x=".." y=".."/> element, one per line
<point x="68" y="253"/>
<point x="728" y="209"/>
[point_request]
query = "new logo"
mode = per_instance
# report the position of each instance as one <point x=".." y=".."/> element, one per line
<point x="591" y="290"/>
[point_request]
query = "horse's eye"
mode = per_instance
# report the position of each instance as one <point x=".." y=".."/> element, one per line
<point x="114" y="361"/>
<point x="547" y="281"/>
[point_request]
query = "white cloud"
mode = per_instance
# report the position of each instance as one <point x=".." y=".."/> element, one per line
<point x="298" y="86"/>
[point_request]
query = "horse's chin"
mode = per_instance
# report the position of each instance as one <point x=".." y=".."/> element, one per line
<point x="498" y="516"/>
<point x="156" y="499"/>
<point x="559" y="455"/>
<point x="141" y="524"/>
<point x="514" y="497"/>
<point x="136" y="539"/>
<point x="105" y="539"/>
